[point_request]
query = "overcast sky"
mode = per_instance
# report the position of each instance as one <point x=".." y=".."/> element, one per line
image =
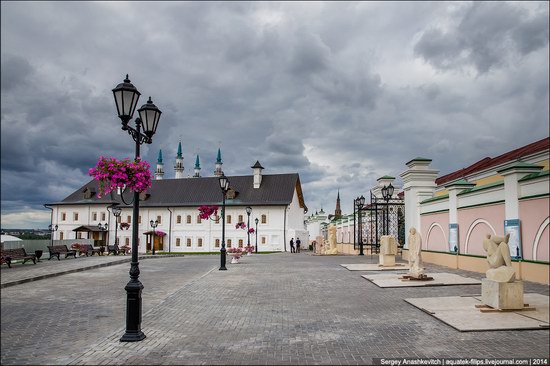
<point x="341" y="93"/>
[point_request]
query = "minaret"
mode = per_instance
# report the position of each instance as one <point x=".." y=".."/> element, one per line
<point x="179" y="163"/>
<point x="338" y="211"/>
<point x="160" y="167"/>
<point x="218" y="172"/>
<point x="197" y="168"/>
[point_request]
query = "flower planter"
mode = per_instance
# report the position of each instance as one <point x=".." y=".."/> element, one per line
<point x="235" y="257"/>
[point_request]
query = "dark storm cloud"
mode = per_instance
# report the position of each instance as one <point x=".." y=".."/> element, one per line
<point x="487" y="35"/>
<point x="341" y="93"/>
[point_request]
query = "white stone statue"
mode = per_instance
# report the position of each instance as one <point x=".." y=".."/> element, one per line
<point x="388" y="251"/>
<point x="499" y="259"/>
<point x="415" y="254"/>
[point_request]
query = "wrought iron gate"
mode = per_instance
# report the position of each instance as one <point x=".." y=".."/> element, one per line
<point x="380" y="218"/>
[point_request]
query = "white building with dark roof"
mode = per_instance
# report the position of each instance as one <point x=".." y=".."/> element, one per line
<point x="276" y="201"/>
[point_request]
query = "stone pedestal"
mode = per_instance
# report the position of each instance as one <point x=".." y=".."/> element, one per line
<point x="386" y="260"/>
<point x="502" y="295"/>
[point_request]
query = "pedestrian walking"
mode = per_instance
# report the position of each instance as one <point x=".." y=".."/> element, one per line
<point x="292" y="250"/>
<point x="298" y="245"/>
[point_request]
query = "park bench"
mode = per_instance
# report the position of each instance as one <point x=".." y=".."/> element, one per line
<point x="113" y="249"/>
<point x="89" y="249"/>
<point x="57" y="250"/>
<point x="19" y="253"/>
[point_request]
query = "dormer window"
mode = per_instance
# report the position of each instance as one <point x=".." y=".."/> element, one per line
<point x="231" y="194"/>
<point x="88" y="193"/>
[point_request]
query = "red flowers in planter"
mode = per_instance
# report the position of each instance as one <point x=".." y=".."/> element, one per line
<point x="206" y="211"/>
<point x="113" y="173"/>
<point x="240" y="225"/>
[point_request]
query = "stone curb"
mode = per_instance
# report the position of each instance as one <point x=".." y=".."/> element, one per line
<point x="48" y="275"/>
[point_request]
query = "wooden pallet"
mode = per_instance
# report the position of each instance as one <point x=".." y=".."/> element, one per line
<point x="487" y="309"/>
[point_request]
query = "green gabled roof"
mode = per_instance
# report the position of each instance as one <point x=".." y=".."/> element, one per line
<point x="386" y="177"/>
<point x="460" y="182"/>
<point x="418" y="159"/>
<point x="541" y="174"/>
<point x="481" y="188"/>
<point x="520" y="166"/>
<point x="438" y="198"/>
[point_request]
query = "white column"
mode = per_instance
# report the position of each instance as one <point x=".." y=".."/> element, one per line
<point x="512" y="174"/>
<point x="419" y="184"/>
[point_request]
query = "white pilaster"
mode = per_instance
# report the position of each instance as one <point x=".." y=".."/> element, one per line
<point x="512" y="174"/>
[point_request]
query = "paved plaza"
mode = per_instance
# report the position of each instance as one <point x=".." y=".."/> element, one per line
<point x="269" y="309"/>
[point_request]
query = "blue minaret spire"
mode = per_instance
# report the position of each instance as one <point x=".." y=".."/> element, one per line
<point x="197" y="167"/>
<point x="159" y="173"/>
<point x="179" y="163"/>
<point x="218" y="172"/>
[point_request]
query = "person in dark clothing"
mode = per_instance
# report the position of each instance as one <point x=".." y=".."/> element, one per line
<point x="298" y="245"/>
<point x="292" y="250"/>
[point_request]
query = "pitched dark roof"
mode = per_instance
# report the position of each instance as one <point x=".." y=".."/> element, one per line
<point x="276" y="189"/>
<point x="257" y="165"/>
<point x="487" y="162"/>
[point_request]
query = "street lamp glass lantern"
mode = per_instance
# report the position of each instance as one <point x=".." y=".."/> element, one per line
<point x="385" y="192"/>
<point x="257" y="220"/>
<point x="126" y="99"/>
<point x="151" y="222"/>
<point x="390" y="191"/>
<point x="224" y="183"/>
<point x="248" y="210"/>
<point x="117" y="211"/>
<point x="150" y="116"/>
<point x="362" y="201"/>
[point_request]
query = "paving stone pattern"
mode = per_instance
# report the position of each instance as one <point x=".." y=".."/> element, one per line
<point x="269" y="309"/>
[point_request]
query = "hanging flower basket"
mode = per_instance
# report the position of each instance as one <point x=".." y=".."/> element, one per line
<point x="240" y="225"/>
<point x="113" y="174"/>
<point x="159" y="233"/>
<point x="206" y="211"/>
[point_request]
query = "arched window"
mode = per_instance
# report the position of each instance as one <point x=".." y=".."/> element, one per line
<point x="189" y="242"/>
<point x="199" y="220"/>
<point x="199" y="242"/>
<point x="178" y="241"/>
<point x="228" y="219"/>
<point x="188" y="219"/>
<point x="240" y="218"/>
<point x="240" y="243"/>
<point x="178" y="219"/>
<point x="264" y="219"/>
<point x="229" y="243"/>
<point x="217" y="243"/>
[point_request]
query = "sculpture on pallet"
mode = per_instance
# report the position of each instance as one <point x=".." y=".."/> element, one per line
<point x="415" y="255"/>
<point x="500" y="290"/>
<point x="388" y="251"/>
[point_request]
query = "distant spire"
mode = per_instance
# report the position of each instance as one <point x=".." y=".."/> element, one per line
<point x="159" y="172"/>
<point x="180" y="155"/>
<point x="219" y="158"/>
<point x="197" y="163"/>
<point x="338" y="210"/>
<point x="218" y="172"/>
<point x="179" y="163"/>
<point x="159" y="160"/>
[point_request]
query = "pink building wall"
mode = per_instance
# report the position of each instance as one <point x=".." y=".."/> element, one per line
<point x="476" y="222"/>
<point x="435" y="231"/>
<point x="533" y="215"/>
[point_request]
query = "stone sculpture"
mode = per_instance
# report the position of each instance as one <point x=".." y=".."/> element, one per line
<point x="331" y="248"/>
<point x="388" y="250"/>
<point x="500" y="290"/>
<point x="415" y="255"/>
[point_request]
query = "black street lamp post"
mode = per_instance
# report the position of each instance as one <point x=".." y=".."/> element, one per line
<point x="116" y="212"/>
<point x="153" y="224"/>
<point x="224" y="185"/>
<point x="52" y="229"/>
<point x="256" y="221"/>
<point x="360" y="202"/>
<point x="126" y="98"/>
<point x="248" y="212"/>
<point x="387" y="192"/>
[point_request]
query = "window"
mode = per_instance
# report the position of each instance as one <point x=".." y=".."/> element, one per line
<point x="94" y="216"/>
<point x="240" y="243"/>
<point x="178" y="242"/>
<point x="63" y="216"/>
<point x="199" y="219"/>
<point x="159" y="219"/>
<point x="217" y="219"/>
<point x="229" y="243"/>
<point x="75" y="216"/>
<point x="217" y="243"/>
<point x="139" y="219"/>
<point x="103" y="216"/>
<point x="127" y="241"/>
<point x="199" y="243"/>
<point x="178" y="219"/>
<point x="228" y="219"/>
<point x="189" y="242"/>
<point x="129" y="219"/>
<point x="188" y="220"/>
<point x="240" y="218"/>
<point x="264" y="219"/>
<point x="264" y="240"/>
<point x="61" y="235"/>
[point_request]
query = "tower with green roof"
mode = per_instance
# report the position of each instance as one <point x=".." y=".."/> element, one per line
<point x="197" y="168"/>
<point x="218" y="172"/>
<point x="159" y="173"/>
<point x="179" y="163"/>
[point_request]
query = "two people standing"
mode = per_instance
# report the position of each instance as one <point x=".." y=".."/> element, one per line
<point x="297" y="248"/>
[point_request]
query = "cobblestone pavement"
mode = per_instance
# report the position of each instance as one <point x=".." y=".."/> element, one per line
<point x="270" y="309"/>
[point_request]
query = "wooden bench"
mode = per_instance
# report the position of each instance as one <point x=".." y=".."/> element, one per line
<point x="10" y="254"/>
<point x="115" y="250"/>
<point x="57" y="250"/>
<point x="89" y="249"/>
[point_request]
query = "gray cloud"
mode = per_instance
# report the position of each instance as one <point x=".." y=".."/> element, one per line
<point x="311" y="88"/>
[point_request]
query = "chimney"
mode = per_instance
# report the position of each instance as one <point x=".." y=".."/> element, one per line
<point x="257" y="174"/>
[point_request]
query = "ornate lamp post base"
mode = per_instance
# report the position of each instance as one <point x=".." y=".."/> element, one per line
<point x="133" y="312"/>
